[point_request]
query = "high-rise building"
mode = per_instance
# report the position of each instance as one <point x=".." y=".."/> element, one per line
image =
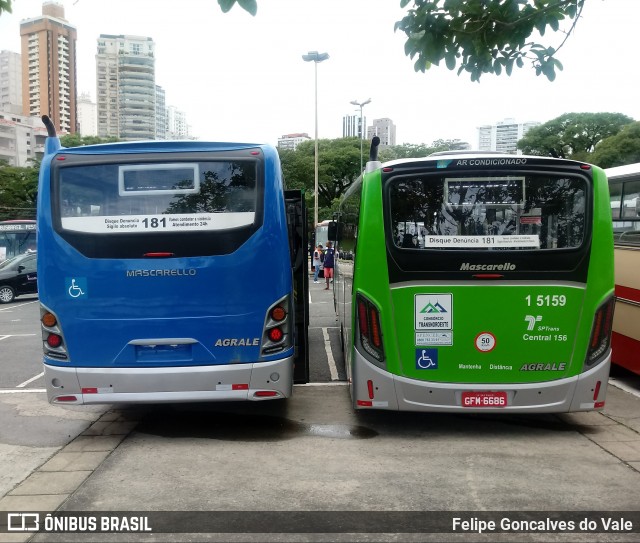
<point x="125" y="73"/>
<point x="21" y="138"/>
<point x="351" y="127"/>
<point x="49" y="67"/>
<point x="87" y="115"/>
<point x="384" y="129"/>
<point x="291" y="141"/>
<point x="177" y="127"/>
<point x="161" y="113"/>
<point x="503" y="136"/>
<point x="10" y="82"/>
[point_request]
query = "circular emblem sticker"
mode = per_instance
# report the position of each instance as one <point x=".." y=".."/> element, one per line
<point x="485" y="342"/>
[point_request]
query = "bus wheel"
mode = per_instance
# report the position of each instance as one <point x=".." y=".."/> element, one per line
<point x="7" y="294"/>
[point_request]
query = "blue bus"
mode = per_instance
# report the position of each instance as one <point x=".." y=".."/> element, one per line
<point x="166" y="273"/>
<point x="17" y="237"/>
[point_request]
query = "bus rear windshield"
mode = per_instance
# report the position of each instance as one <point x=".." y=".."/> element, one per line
<point x="493" y="211"/>
<point x="148" y="198"/>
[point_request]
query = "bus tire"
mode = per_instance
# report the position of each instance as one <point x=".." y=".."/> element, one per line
<point x="7" y="294"/>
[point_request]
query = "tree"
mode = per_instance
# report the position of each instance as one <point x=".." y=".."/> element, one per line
<point x="410" y="150"/>
<point x="481" y="36"/>
<point x="5" y="5"/>
<point x="619" y="150"/>
<point x="572" y="135"/>
<point x="18" y="191"/>
<point x="338" y="167"/>
<point x="76" y="140"/>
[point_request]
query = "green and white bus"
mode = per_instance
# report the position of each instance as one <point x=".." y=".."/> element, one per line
<point x="479" y="282"/>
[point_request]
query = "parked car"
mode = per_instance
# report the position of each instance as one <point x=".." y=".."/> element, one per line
<point x="18" y="276"/>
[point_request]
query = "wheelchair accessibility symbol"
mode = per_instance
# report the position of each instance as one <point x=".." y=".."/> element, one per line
<point x="426" y="359"/>
<point x="76" y="286"/>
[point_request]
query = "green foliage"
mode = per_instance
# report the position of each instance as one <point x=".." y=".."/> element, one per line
<point x="481" y="36"/>
<point x="572" y="135"/>
<point x="618" y="150"/>
<point x="76" y="140"/>
<point x="18" y="191"/>
<point x="5" y="5"/>
<point x="339" y="166"/>
<point x="248" y="5"/>
<point x="410" y="150"/>
<point x="485" y="36"/>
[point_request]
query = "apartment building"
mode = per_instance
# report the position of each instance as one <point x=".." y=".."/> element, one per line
<point x="48" y="44"/>
<point x="125" y="73"/>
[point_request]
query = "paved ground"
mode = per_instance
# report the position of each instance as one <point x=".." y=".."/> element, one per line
<point x="313" y="453"/>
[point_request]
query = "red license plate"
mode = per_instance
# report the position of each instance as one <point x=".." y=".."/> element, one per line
<point x="484" y="399"/>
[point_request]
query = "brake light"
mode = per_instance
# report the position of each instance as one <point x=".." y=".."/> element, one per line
<point x="370" y="330"/>
<point x="376" y="335"/>
<point x="601" y="333"/>
<point x="54" y="340"/>
<point x="277" y="333"/>
<point x="363" y="322"/>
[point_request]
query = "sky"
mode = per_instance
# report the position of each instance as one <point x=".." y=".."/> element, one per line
<point x="242" y="78"/>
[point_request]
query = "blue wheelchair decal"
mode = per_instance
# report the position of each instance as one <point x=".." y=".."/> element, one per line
<point x="426" y="359"/>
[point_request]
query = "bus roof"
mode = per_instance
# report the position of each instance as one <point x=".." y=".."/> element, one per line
<point x="450" y="156"/>
<point x="623" y="171"/>
<point x="155" y="146"/>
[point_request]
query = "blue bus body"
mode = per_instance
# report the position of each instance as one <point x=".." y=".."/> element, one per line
<point x="153" y="292"/>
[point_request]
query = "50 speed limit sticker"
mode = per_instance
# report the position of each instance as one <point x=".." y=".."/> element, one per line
<point x="485" y="342"/>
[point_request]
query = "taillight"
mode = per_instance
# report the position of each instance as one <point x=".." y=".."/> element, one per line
<point x="276" y="336"/>
<point x="53" y="342"/>
<point x="363" y="321"/>
<point x="278" y="313"/>
<point x="370" y="330"/>
<point x="600" y="333"/>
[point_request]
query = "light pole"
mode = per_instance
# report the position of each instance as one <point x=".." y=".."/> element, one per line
<point x="361" y="105"/>
<point x="315" y="57"/>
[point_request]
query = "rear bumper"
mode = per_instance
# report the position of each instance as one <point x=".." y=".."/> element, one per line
<point x="234" y="382"/>
<point x="402" y="394"/>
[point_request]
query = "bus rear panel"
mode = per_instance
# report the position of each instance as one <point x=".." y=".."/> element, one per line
<point x="152" y="282"/>
<point x="479" y="284"/>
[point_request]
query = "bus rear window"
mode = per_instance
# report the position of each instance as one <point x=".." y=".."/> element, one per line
<point x="151" y="197"/>
<point x="506" y="212"/>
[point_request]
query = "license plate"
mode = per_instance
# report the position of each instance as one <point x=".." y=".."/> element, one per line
<point x="484" y="399"/>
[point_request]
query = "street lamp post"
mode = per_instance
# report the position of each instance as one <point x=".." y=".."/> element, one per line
<point x="315" y="57"/>
<point x="361" y="105"/>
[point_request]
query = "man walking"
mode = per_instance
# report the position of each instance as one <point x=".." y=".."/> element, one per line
<point x="328" y="263"/>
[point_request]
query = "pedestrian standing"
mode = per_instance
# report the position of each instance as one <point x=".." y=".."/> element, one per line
<point x="317" y="261"/>
<point x="328" y="263"/>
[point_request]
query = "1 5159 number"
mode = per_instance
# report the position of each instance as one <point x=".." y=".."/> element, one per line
<point x="555" y="300"/>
